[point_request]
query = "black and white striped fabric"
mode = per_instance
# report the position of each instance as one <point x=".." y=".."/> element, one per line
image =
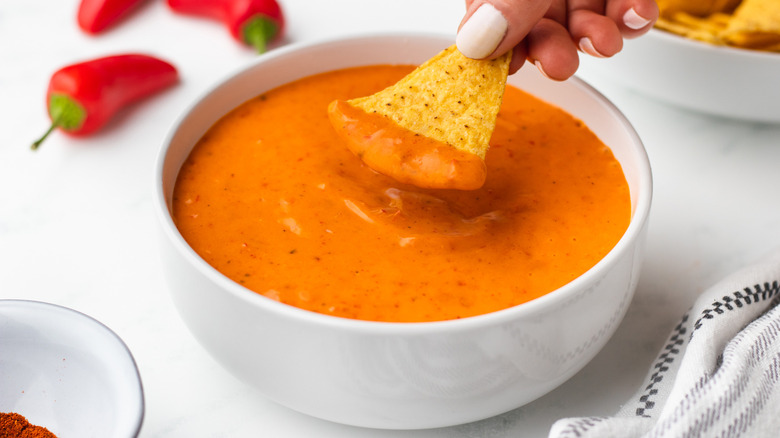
<point x="718" y="375"/>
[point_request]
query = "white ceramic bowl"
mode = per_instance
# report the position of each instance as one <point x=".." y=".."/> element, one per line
<point x="67" y="372"/>
<point x="724" y="81"/>
<point x="393" y="375"/>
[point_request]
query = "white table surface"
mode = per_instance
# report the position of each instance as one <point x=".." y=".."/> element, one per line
<point x="77" y="227"/>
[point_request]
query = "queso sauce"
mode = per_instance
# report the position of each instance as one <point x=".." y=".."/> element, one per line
<point x="272" y="198"/>
<point x="404" y="155"/>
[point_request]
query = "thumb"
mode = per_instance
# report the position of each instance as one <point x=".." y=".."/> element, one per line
<point x="491" y="28"/>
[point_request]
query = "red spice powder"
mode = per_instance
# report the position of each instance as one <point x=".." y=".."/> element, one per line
<point x="13" y="425"/>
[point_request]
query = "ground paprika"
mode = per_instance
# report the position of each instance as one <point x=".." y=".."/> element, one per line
<point x="13" y="425"/>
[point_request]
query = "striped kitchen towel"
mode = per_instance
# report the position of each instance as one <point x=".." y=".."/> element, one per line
<point x="718" y="375"/>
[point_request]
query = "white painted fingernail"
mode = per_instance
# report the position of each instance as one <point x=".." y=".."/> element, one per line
<point x="586" y="45"/>
<point x="633" y="20"/>
<point x="482" y="33"/>
<point x="541" y="69"/>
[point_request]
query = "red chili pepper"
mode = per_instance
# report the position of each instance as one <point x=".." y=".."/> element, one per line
<point x="252" y="22"/>
<point x="95" y="16"/>
<point x="83" y="97"/>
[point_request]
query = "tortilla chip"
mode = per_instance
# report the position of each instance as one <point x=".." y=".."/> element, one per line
<point x="757" y="16"/>
<point x="749" y="24"/>
<point x="450" y="98"/>
<point x="753" y="40"/>
<point x="725" y="6"/>
<point x="697" y="8"/>
<point x="706" y="29"/>
<point x="755" y="24"/>
<point x="712" y="24"/>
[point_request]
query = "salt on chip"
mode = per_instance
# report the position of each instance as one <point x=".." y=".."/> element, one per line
<point x="450" y="98"/>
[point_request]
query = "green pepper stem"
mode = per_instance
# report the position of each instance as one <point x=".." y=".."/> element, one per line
<point x="259" y="31"/>
<point x="65" y="113"/>
<point x="38" y="142"/>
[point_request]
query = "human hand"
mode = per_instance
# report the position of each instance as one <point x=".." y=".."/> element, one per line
<point x="549" y="33"/>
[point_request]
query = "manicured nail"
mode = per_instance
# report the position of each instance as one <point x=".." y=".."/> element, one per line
<point x="482" y="33"/>
<point x="634" y="20"/>
<point x="586" y="45"/>
<point x="541" y="69"/>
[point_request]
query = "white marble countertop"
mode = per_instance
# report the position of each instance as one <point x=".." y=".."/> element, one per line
<point x="77" y="229"/>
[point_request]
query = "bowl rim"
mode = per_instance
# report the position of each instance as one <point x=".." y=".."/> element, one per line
<point x="718" y="50"/>
<point x="103" y="330"/>
<point x="639" y="217"/>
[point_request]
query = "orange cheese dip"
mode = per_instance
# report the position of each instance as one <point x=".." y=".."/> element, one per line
<point x="272" y="198"/>
<point x="403" y="155"/>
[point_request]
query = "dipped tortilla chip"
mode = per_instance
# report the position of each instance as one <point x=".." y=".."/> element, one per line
<point x="450" y="98"/>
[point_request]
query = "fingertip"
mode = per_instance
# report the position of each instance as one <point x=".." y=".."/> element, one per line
<point x="634" y="17"/>
<point x="586" y="46"/>
<point x="595" y="34"/>
<point x="552" y="50"/>
<point x="540" y="67"/>
<point x="482" y="32"/>
<point x="633" y="20"/>
<point x="557" y="71"/>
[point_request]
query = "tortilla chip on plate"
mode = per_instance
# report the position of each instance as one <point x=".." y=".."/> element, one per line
<point x="755" y="24"/>
<point x="749" y="24"/>
<point x="705" y="29"/>
<point x="697" y="8"/>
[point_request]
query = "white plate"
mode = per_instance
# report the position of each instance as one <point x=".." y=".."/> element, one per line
<point x="723" y="81"/>
<point x="67" y="372"/>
